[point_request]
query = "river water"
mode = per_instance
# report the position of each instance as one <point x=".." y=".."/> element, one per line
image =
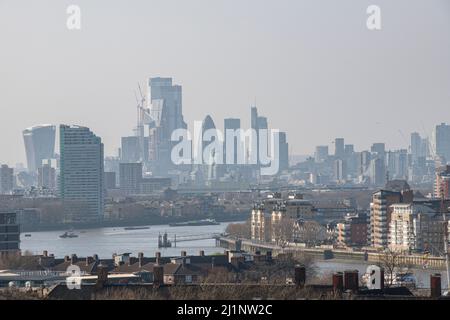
<point x="107" y="241"/>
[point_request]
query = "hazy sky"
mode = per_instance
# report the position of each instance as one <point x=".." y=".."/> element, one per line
<point x="313" y="67"/>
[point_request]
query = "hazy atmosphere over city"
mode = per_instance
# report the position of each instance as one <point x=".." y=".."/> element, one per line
<point x="240" y="153"/>
<point x="312" y="67"/>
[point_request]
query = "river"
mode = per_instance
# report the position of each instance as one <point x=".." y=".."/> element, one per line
<point x="107" y="241"/>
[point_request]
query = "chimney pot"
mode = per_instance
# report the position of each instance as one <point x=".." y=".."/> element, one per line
<point x="338" y="281"/>
<point x="435" y="284"/>
<point x="158" y="276"/>
<point x="351" y="280"/>
<point x="300" y="275"/>
<point x="141" y="259"/>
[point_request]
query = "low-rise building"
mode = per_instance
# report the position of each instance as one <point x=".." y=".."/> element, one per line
<point x="352" y="231"/>
<point x="416" y="227"/>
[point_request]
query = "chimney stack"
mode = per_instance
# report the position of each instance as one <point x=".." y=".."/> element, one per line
<point x="102" y="279"/>
<point x="269" y="256"/>
<point x="158" y="257"/>
<point x="338" y="281"/>
<point x="141" y="259"/>
<point x="45" y="253"/>
<point x="201" y="253"/>
<point x="158" y="276"/>
<point x="183" y="253"/>
<point x="73" y="259"/>
<point x="435" y="283"/>
<point x="66" y="259"/>
<point x="95" y="256"/>
<point x="300" y="275"/>
<point x="351" y="280"/>
<point x="89" y="260"/>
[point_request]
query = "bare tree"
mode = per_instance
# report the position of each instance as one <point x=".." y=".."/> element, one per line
<point x="390" y="261"/>
<point x="283" y="232"/>
<point x="239" y="230"/>
<point x="311" y="232"/>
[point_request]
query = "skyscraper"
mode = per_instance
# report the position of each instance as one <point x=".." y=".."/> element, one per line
<point x="416" y="142"/>
<point x="339" y="148"/>
<point x="321" y="153"/>
<point x="442" y="141"/>
<point x="379" y="149"/>
<point x="130" y="150"/>
<point x="232" y="124"/>
<point x="130" y="177"/>
<point x="81" y="176"/>
<point x="47" y="177"/>
<point x="166" y="112"/>
<point x="39" y="145"/>
<point x="284" y="152"/>
<point x="6" y="179"/>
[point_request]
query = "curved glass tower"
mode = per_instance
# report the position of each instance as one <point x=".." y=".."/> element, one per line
<point x="39" y="145"/>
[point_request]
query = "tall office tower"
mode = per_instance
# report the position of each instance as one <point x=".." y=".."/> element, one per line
<point x="349" y="149"/>
<point x="377" y="172"/>
<point x="351" y="160"/>
<point x="208" y="168"/>
<point x="6" y="179"/>
<point x="130" y="149"/>
<point x="379" y="149"/>
<point x="416" y="146"/>
<point x="167" y="116"/>
<point x="364" y="162"/>
<point x="39" y="145"/>
<point x="442" y="141"/>
<point x="259" y="123"/>
<point x="397" y="164"/>
<point x="110" y="180"/>
<point x="81" y="174"/>
<point x="321" y="154"/>
<point x="339" y="148"/>
<point x="254" y="118"/>
<point x="47" y="177"/>
<point x="263" y="125"/>
<point x="232" y="124"/>
<point x="339" y="169"/>
<point x="284" y="152"/>
<point x="9" y="233"/>
<point x="380" y="213"/>
<point x="130" y="177"/>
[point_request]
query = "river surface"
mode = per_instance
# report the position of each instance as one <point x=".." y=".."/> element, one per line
<point x="107" y="241"/>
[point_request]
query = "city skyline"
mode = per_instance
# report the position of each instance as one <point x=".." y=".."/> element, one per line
<point x="314" y="84"/>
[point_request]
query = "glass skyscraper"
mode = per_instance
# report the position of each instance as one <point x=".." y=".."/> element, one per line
<point x="39" y="145"/>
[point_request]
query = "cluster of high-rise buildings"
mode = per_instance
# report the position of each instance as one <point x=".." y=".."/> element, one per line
<point x="377" y="165"/>
<point x="160" y="114"/>
<point x="81" y="176"/>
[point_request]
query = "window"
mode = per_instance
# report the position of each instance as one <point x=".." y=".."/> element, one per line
<point x="188" y="279"/>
